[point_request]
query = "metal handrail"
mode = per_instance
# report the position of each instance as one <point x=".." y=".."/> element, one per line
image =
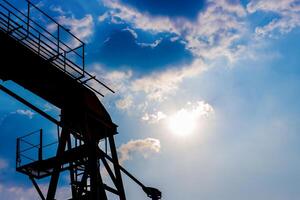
<point x="23" y="28"/>
<point x="41" y="48"/>
<point x="29" y="134"/>
<point x="48" y="48"/>
<point x="21" y="152"/>
<point x="45" y="30"/>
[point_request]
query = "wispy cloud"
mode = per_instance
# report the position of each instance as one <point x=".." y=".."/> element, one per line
<point x="288" y="12"/>
<point x="60" y="10"/>
<point x="211" y="35"/>
<point x="154" y="118"/>
<point x="124" y="103"/>
<point x="82" y="28"/>
<point x="193" y="113"/>
<point x="133" y="33"/>
<point x="145" y="147"/>
<point x="152" y="45"/>
<point x="28" y="193"/>
<point x="17" y="192"/>
<point x="139" y="20"/>
<point x="159" y="85"/>
<point x="214" y="34"/>
<point x="147" y="92"/>
<point x="27" y="113"/>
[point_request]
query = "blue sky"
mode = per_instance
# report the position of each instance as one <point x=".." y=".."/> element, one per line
<point x="206" y="95"/>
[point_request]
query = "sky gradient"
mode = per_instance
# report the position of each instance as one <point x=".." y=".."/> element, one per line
<point x="207" y="95"/>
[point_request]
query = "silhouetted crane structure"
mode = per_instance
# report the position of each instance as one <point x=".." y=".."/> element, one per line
<point x="42" y="56"/>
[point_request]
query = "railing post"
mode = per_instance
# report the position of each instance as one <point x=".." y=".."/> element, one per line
<point x="28" y="17"/>
<point x="58" y="132"/>
<point x="58" y="38"/>
<point x="41" y="145"/>
<point x="83" y="57"/>
<point x="65" y="55"/>
<point x="18" y="160"/>
<point x="39" y="45"/>
<point x="8" y="22"/>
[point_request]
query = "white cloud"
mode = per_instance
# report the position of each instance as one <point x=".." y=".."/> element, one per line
<point x="154" y="118"/>
<point x="283" y="25"/>
<point x="210" y="36"/>
<point x="82" y="28"/>
<point x="17" y="193"/>
<point x="287" y="10"/>
<point x="158" y="85"/>
<point x="152" y="45"/>
<point x="272" y="5"/>
<point x="146" y="93"/>
<point x="183" y="120"/>
<point x="103" y="17"/>
<point x="60" y="10"/>
<point x="23" y="193"/>
<point x="49" y="107"/>
<point x="144" y="147"/>
<point x="196" y="110"/>
<point x="117" y="80"/>
<point x="218" y="32"/>
<point x="27" y="113"/>
<point x="133" y="33"/>
<point x="124" y="103"/>
<point x="137" y="19"/>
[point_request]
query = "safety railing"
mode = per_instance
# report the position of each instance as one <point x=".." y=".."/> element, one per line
<point x="47" y="38"/>
<point x="31" y="148"/>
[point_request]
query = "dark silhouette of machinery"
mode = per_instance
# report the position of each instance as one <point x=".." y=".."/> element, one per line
<point x="50" y="62"/>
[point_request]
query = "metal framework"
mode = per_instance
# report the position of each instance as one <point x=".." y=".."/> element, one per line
<point x="58" y="45"/>
<point x="51" y="64"/>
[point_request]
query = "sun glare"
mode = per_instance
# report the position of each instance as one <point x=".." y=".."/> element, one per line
<point x="182" y="123"/>
<point x="187" y="120"/>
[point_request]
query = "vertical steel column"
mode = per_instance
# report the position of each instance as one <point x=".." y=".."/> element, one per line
<point x="55" y="174"/>
<point x="41" y="145"/>
<point x="96" y="184"/>
<point x="72" y="173"/>
<point x="18" y="161"/>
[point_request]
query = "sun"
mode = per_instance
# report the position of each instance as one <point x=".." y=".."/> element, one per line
<point x="182" y="123"/>
<point x="189" y="119"/>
